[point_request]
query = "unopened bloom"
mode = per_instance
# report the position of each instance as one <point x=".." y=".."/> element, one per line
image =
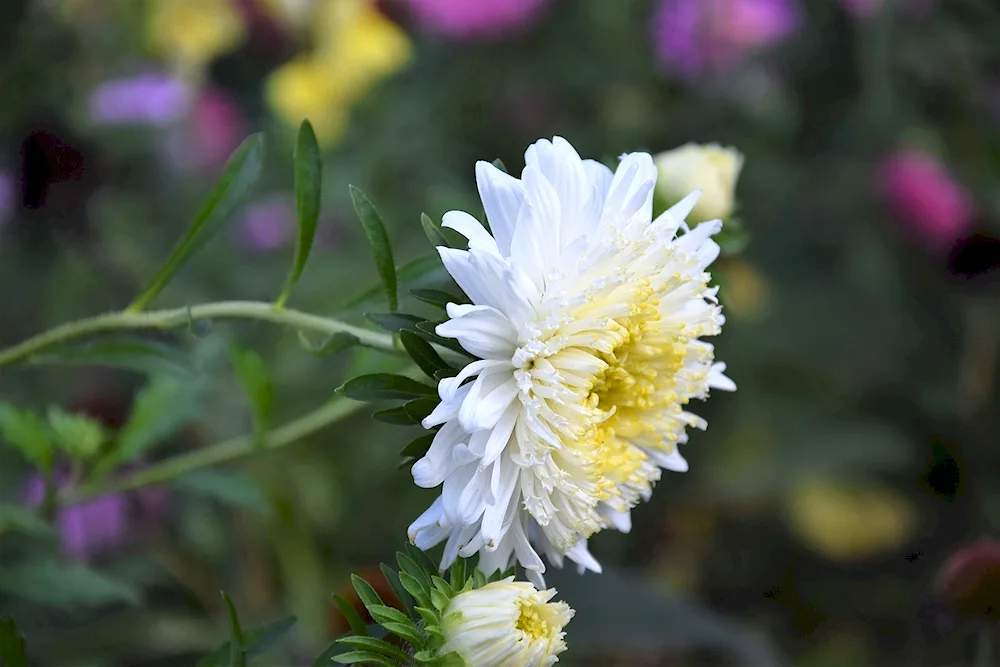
<point x="697" y="36"/>
<point x="922" y="194"/>
<point x="472" y="19"/>
<point x="710" y="168"/>
<point x="505" y="623"/>
<point x="585" y="320"/>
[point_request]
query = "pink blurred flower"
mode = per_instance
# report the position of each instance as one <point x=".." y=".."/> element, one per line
<point x="922" y="194"/>
<point x="217" y="128"/>
<point x="8" y="197"/>
<point x="268" y="224"/>
<point x="472" y="19"/>
<point x="970" y="579"/>
<point x="693" y="37"/>
<point x="154" y="99"/>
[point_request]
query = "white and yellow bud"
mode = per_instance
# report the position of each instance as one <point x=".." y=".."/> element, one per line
<point x="710" y="168"/>
<point x="506" y="623"/>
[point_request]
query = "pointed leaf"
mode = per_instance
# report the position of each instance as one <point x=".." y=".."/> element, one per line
<point x="364" y="658"/>
<point x="51" y="583"/>
<point x="78" y="436"/>
<point x="436" y="297"/>
<point x="23" y="520"/>
<point x="498" y="163"/>
<point x="12" y="649"/>
<point x="255" y="641"/>
<point x="413" y="587"/>
<point x="127" y="352"/>
<point x="419" y="446"/>
<point x="395" y="321"/>
<point x="253" y="375"/>
<point x="25" y="431"/>
<point x="240" y="174"/>
<point x="433" y="231"/>
<point x="421" y="558"/>
<point x="351" y="615"/>
<point x="392" y="578"/>
<point x="397" y="415"/>
<point x="365" y="591"/>
<point x="456" y="575"/>
<point x="384" y="386"/>
<point x="422" y="353"/>
<point x="407" y="631"/>
<point x="383" y="613"/>
<point x="237" y="654"/>
<point x="308" y="186"/>
<point x="376" y="646"/>
<point x="378" y="240"/>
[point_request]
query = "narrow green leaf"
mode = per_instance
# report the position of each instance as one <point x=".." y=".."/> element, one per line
<point x="422" y="353"/>
<point x="429" y="615"/>
<point x="376" y="646"/>
<point x="333" y="344"/>
<point x="413" y="587"/>
<point x="69" y="585"/>
<point x="253" y="375"/>
<point x="164" y="406"/>
<point x="498" y="163"/>
<point x="442" y="585"/>
<point x="439" y="599"/>
<point x="436" y="297"/>
<point x="397" y="415"/>
<point x="365" y="591"/>
<point x="418" y="446"/>
<point x="229" y="487"/>
<point x="406" y="631"/>
<point x="384" y="386"/>
<point x="421" y="558"/>
<point x="433" y="231"/>
<point x="425" y="271"/>
<point x="23" y="520"/>
<point x="479" y="578"/>
<point x="426" y="331"/>
<point x="378" y="240"/>
<point x="409" y="566"/>
<point x="127" y="352"/>
<point x="354" y="620"/>
<point x="237" y="652"/>
<point x="456" y="575"/>
<point x="382" y="613"/>
<point x="240" y="174"/>
<point x="255" y="641"/>
<point x="79" y="436"/>
<point x="25" y="431"/>
<point x="13" y="652"/>
<point x="392" y="578"/>
<point x="419" y="408"/>
<point x="308" y="186"/>
<point x="364" y="658"/>
<point x="395" y="321"/>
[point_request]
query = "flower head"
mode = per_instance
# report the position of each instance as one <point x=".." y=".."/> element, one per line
<point x="585" y="320"/>
<point x="472" y="19"/>
<point x="711" y="169"/>
<point x="921" y="193"/>
<point x="506" y="622"/>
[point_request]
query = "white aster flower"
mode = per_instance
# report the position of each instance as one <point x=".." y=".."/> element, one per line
<point x="586" y="316"/>
<point x="506" y="623"/>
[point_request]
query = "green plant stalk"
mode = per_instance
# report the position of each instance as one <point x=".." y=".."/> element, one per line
<point x="179" y="317"/>
<point x="214" y="454"/>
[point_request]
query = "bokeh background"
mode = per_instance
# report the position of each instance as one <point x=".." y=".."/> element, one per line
<point x="859" y="454"/>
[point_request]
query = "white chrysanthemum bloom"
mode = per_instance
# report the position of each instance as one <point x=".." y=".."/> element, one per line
<point x="711" y="168"/>
<point x="586" y="317"/>
<point x="506" y="623"/>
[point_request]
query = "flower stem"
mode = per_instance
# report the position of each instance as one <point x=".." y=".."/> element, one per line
<point x="179" y="317"/>
<point x="219" y="452"/>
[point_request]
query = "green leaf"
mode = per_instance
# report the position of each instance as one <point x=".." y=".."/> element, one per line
<point x="13" y="652"/>
<point x="23" y="520"/>
<point x="333" y="344"/>
<point x="240" y="174"/>
<point x="456" y="575"/>
<point x="127" y="352"/>
<point x="378" y="240"/>
<point x="422" y="353"/>
<point x="384" y="386"/>
<point x="364" y="658"/>
<point x="419" y="446"/>
<point x="230" y="488"/>
<point x="436" y="297"/>
<point x="376" y="646"/>
<point x="351" y="615"/>
<point x="395" y="321"/>
<point x="439" y="599"/>
<point x="365" y="591"/>
<point x="414" y="588"/>
<point x="77" y="435"/>
<point x="426" y="330"/>
<point x="392" y="578"/>
<point x="385" y="614"/>
<point x="395" y="415"/>
<point x="26" y="432"/>
<point x="433" y="231"/>
<point x="237" y="652"/>
<point x="253" y="375"/>
<point x="255" y="641"/>
<point x="308" y="186"/>
<point x="51" y="583"/>
<point x="426" y="270"/>
<point x="420" y="557"/>
<point x="430" y="616"/>
<point x="162" y="407"/>
<point x="419" y="408"/>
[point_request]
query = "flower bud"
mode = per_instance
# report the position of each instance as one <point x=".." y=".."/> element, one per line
<point x="709" y="168"/>
<point x="506" y="622"/>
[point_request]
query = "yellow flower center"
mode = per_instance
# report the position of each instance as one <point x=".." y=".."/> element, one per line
<point x="530" y="621"/>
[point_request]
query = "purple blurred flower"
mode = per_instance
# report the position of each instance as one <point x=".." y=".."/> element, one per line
<point x="218" y="127"/>
<point x="921" y="193"/>
<point x="155" y="99"/>
<point x="8" y="197"/>
<point x="472" y="19"/>
<point x="267" y="225"/>
<point x="696" y="36"/>
<point x="101" y="525"/>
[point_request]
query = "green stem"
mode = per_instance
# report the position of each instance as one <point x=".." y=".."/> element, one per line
<point x="179" y="317"/>
<point x="219" y="452"/>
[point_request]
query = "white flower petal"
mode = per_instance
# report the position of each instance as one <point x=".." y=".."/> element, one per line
<point x="472" y="229"/>
<point x="502" y="196"/>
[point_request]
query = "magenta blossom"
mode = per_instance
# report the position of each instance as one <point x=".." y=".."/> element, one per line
<point x="693" y="37"/>
<point x="268" y="224"/>
<point x="475" y="19"/>
<point x="923" y="195"/>
<point x="153" y="99"/>
<point x="217" y="128"/>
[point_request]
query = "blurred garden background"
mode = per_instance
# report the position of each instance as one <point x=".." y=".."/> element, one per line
<point x="861" y="452"/>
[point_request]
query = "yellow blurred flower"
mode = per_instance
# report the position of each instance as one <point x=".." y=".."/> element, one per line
<point x="745" y="291"/>
<point x="192" y="33"/>
<point x="848" y="522"/>
<point x="355" y="46"/>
